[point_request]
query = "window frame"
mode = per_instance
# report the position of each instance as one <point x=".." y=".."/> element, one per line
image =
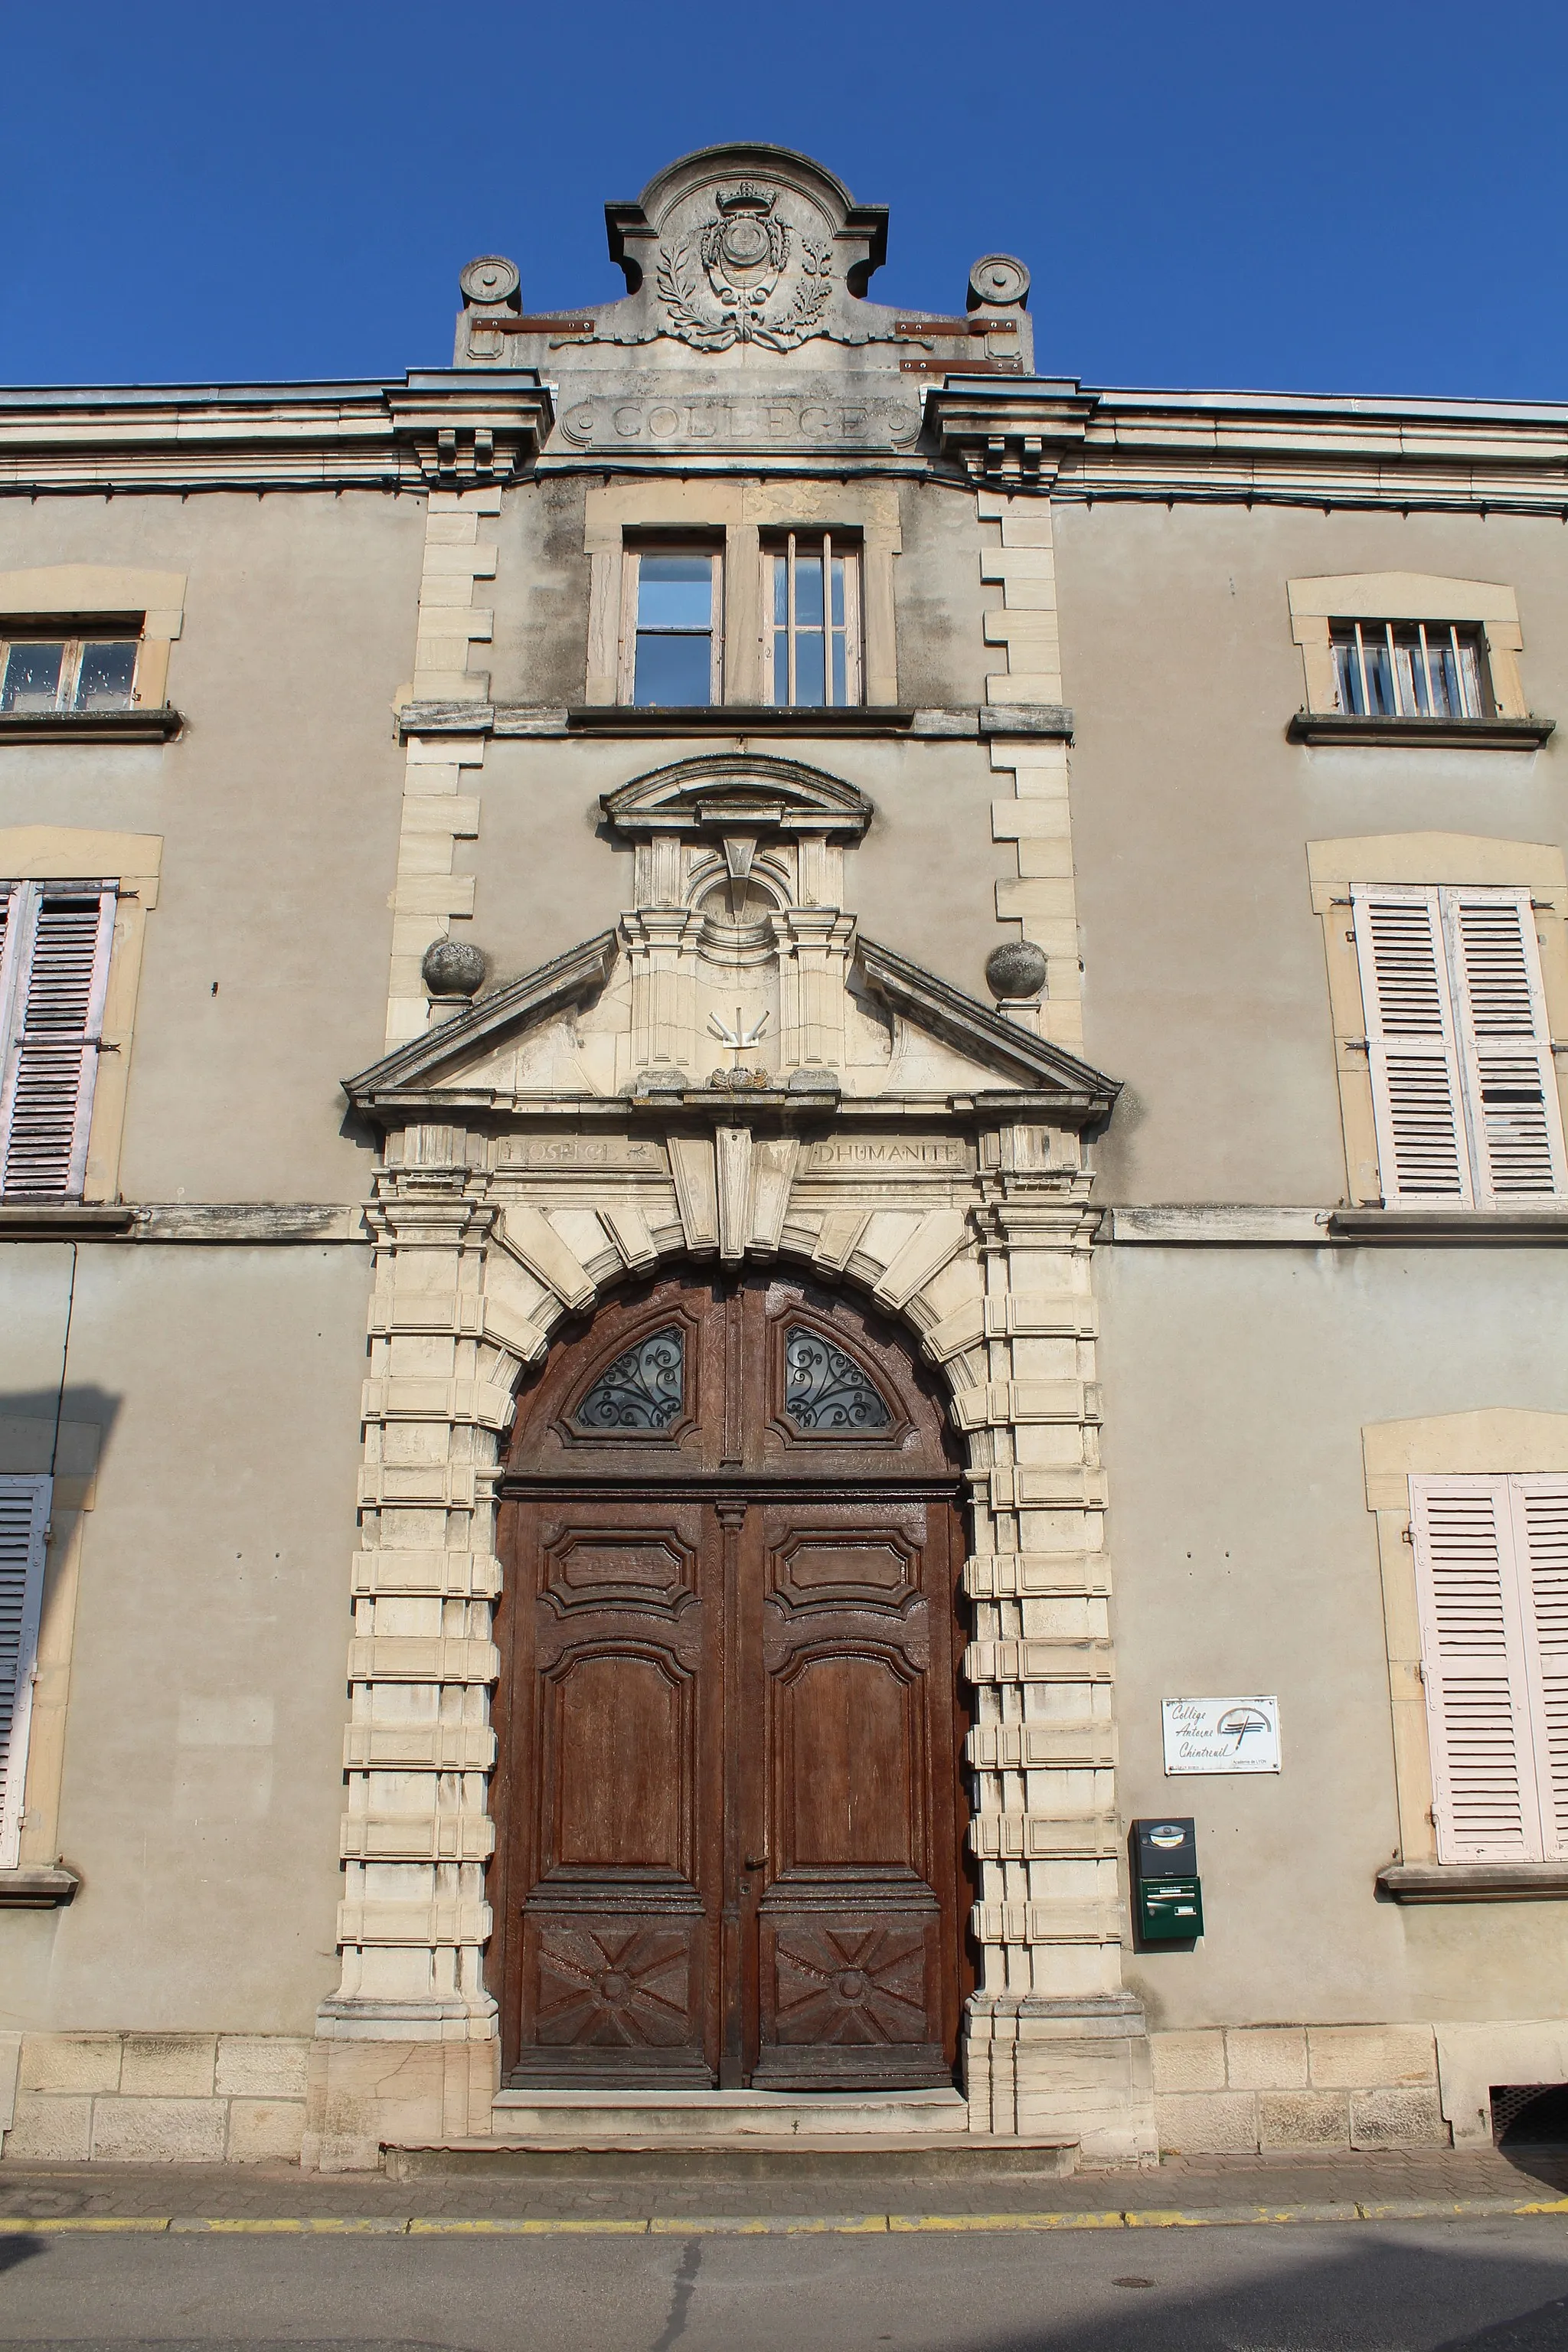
<point x="74" y="643"/>
<point x="635" y="546"/>
<point x="830" y="546"/>
<point x="1464" y="637"/>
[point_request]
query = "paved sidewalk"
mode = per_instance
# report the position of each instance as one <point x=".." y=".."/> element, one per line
<point x="1341" y="2186"/>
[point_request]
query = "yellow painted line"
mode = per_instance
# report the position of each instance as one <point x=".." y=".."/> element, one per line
<point x="36" y="2225"/>
<point x="772" y="2225"/>
<point x="438" y="2226"/>
<point x="1086" y="2220"/>
<point x="317" y="2225"/>
<point x="1547" y="2205"/>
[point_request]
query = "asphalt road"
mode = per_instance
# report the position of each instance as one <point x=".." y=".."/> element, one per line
<point x="1480" y="2285"/>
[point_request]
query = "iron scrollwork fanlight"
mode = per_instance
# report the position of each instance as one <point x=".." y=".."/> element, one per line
<point x="643" y="1389"/>
<point x="825" y="1390"/>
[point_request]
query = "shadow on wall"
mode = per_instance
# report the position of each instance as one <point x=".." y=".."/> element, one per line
<point x="65" y="1431"/>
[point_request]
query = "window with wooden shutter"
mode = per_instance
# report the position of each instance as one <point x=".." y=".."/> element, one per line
<point x="1491" y="1574"/>
<point x="53" y="981"/>
<point x="24" y="1524"/>
<point x="1464" y="1089"/>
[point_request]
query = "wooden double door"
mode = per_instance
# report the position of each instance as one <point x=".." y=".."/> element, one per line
<point x="729" y="1782"/>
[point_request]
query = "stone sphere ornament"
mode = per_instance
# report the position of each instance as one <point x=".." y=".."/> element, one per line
<point x="491" y="279"/>
<point x="453" y="966"/>
<point x="1015" y="971"/>
<point x="999" y="277"/>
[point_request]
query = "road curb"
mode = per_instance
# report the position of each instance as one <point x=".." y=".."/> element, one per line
<point x="782" y="2225"/>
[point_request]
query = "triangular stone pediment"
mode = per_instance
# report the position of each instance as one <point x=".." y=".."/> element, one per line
<point x="573" y="1031"/>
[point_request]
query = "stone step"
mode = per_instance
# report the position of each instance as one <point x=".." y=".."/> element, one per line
<point x="645" y="2116"/>
<point x="847" y="2157"/>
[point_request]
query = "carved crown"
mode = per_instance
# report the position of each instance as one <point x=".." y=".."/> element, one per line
<point x="747" y="198"/>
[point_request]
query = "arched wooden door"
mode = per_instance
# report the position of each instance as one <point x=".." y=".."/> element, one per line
<point x="729" y="1791"/>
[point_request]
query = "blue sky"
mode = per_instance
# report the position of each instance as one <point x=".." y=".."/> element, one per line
<point x="1369" y="198"/>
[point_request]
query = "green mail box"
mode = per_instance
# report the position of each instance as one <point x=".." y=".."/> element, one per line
<point x="1169" y="1910"/>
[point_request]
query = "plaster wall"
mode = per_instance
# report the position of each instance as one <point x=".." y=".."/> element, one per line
<point x="279" y="807"/>
<point x="1237" y="1384"/>
<point x="1205" y="987"/>
<point x="203" y="1755"/>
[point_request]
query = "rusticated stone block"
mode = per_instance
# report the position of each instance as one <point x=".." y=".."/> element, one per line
<point x="1188" y="2062"/>
<point x="69" y="2062"/>
<point x="1398" y="2119"/>
<point x="168" y="2065"/>
<point x="158" y="2131"/>
<point x="259" y="2128"/>
<point x="51" y="2131"/>
<point x="1218" y="2123"/>
<point x="261" y="2066"/>
<point x="1371" y="2057"/>
<point x="1303" y="2119"/>
<point x="1265" y="2057"/>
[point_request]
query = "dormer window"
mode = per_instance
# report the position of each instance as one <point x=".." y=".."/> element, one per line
<point x="40" y="674"/>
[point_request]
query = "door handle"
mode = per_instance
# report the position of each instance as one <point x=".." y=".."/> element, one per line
<point x="756" y="1861"/>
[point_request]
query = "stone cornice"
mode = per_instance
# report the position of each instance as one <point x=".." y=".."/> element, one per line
<point x="435" y="428"/>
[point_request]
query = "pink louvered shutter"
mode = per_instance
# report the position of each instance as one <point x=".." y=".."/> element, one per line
<point x="1411" y="1048"/>
<point x="1541" y="1524"/>
<point x="1476" y="1668"/>
<point x="1515" y="1116"/>
<point x="24" y="1524"/>
<point x="55" y="998"/>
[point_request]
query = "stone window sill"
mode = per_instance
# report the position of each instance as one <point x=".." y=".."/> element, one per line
<point x="967" y="723"/>
<point x="1474" y="1882"/>
<point x="1545" y="1223"/>
<point x="1324" y="727"/>
<point x="154" y="726"/>
<point x="37" y="1887"/>
<point x="57" y="1221"/>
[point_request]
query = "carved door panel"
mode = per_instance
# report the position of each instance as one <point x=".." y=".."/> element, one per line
<point x="857" y="1950"/>
<point x="727" y="1717"/>
<point x="615" y="1731"/>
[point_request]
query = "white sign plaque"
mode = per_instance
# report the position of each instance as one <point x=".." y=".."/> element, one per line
<point x="1221" y="1735"/>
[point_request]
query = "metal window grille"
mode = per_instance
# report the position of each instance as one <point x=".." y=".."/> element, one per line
<point x="43" y="674"/>
<point x="812" y="600"/>
<point x="1408" y="669"/>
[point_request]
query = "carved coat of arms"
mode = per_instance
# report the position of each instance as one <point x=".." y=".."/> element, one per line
<point x="743" y="276"/>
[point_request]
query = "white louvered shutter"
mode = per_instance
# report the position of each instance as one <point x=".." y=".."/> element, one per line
<point x="1411" y="1048"/>
<point x="1540" y="1530"/>
<point x="1477" y="1672"/>
<point x="1515" y="1116"/>
<point x="24" y="1523"/>
<point x="61" y="972"/>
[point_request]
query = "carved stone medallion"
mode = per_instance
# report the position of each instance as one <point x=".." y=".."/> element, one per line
<point x="745" y="276"/>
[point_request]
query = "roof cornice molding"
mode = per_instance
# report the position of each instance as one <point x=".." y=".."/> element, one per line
<point x="435" y="428"/>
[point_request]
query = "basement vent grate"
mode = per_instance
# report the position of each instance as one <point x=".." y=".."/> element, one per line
<point x="1530" y="2115"/>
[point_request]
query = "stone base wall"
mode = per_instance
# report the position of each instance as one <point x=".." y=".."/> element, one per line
<point x="1243" y="2090"/>
<point x="151" y="2098"/>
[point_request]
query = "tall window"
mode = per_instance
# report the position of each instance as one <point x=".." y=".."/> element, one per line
<point x="673" y="646"/>
<point x="24" y="1524"/>
<point x="1491" y="1575"/>
<point x="812" y="601"/>
<point x="1464" y="1090"/>
<point x="1408" y="669"/>
<point x="54" y="973"/>
<point x="39" y="674"/>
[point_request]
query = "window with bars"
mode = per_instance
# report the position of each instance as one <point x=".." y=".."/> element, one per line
<point x="1409" y="670"/>
<point x="672" y="636"/>
<point x="55" y="939"/>
<point x="24" y="1526"/>
<point x="811" y="606"/>
<point x="1491" y="1578"/>
<point x="1463" y="1082"/>
<point x="41" y="674"/>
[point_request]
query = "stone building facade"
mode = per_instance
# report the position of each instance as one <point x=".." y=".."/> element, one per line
<point x="757" y="1069"/>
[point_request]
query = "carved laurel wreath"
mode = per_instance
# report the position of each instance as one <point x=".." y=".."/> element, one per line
<point x="714" y="327"/>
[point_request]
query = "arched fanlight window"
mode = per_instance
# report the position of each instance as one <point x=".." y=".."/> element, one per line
<point x="641" y="1392"/>
<point x="826" y="1392"/>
